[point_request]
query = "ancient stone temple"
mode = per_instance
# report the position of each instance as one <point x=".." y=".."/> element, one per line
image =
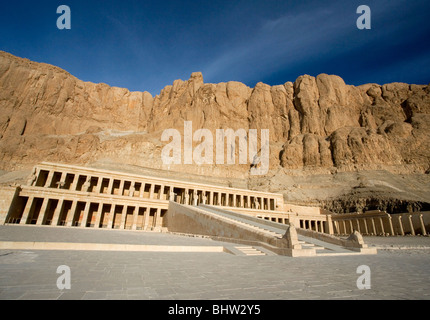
<point x="61" y="195"/>
<point x="64" y="195"/>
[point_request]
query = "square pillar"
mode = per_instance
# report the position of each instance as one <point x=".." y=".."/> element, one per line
<point x="111" y="216"/>
<point x="187" y="197"/>
<point x="62" y="180"/>
<point x="411" y="225"/>
<point x="49" y="179"/>
<point x="142" y="190"/>
<point x="85" y="216"/>
<point x="71" y="214"/>
<point x="57" y="212"/>
<point x="42" y="213"/>
<point x="74" y="184"/>
<point x="390" y="225"/>
<point x="121" y="188"/>
<point x="423" y="227"/>
<point x="99" y="184"/>
<point x="381" y="223"/>
<point x="330" y="224"/>
<point x="402" y="232"/>
<point x="161" y="194"/>
<point x="98" y="216"/>
<point x="135" y="215"/>
<point x="132" y="189"/>
<point x="123" y="216"/>
<point x="27" y="210"/>
<point x="366" y="231"/>
<point x="151" y="191"/>
<point x="110" y="186"/>
<point x="146" y="218"/>
<point x="157" y="222"/>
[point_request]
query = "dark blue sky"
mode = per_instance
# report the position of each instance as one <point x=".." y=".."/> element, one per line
<point x="146" y="45"/>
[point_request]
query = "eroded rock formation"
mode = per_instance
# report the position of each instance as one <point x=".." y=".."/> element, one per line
<point x="318" y="125"/>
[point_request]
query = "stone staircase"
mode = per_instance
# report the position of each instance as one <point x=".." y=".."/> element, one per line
<point x="277" y="230"/>
<point x="250" y="251"/>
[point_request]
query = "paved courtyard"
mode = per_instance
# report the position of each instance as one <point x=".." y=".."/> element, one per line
<point x="400" y="273"/>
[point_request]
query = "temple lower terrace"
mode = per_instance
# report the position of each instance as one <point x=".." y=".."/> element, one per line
<point x="82" y="197"/>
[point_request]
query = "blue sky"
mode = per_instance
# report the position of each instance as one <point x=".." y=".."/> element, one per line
<point x="146" y="45"/>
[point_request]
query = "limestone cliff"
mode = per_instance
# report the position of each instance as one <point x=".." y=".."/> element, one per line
<point x="319" y="126"/>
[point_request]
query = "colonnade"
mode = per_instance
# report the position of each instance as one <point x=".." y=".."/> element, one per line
<point x="76" y="212"/>
<point x="61" y="195"/>
<point x="150" y="188"/>
<point x="384" y="224"/>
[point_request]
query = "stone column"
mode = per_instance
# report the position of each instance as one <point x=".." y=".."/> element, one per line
<point x="121" y="188"/>
<point x="423" y="227"/>
<point x="151" y="191"/>
<point x="172" y="195"/>
<point x="234" y="199"/>
<point x="219" y="199"/>
<point x="146" y="218"/>
<point x="195" y="198"/>
<point x="344" y="226"/>
<point x="111" y="216"/>
<point x="132" y="189"/>
<point x="322" y="226"/>
<point x="157" y="222"/>
<point x="75" y="182"/>
<point x="390" y="224"/>
<point x="99" y="184"/>
<point x="110" y="186"/>
<point x="57" y="212"/>
<point x="87" y="184"/>
<point x="381" y="223"/>
<point x="402" y="232"/>
<point x="330" y="224"/>
<point x="161" y="197"/>
<point x="42" y="213"/>
<point x="411" y="225"/>
<point x="373" y="226"/>
<point x="142" y="190"/>
<point x="187" y="197"/>
<point x="366" y="231"/>
<point x="98" y="216"/>
<point x="135" y="215"/>
<point x="49" y="179"/>
<point x="85" y="216"/>
<point x="62" y="180"/>
<point x="261" y="203"/>
<point x="71" y="214"/>
<point x="27" y="210"/>
<point x="357" y="220"/>
<point x="242" y="204"/>
<point x="211" y="198"/>
<point x="123" y="217"/>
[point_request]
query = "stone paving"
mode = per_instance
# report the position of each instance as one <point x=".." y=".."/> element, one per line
<point x="395" y="274"/>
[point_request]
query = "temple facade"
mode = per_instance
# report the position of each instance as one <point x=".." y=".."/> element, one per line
<point x="74" y="196"/>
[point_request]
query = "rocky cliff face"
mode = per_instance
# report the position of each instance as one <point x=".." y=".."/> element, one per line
<point x="318" y="125"/>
